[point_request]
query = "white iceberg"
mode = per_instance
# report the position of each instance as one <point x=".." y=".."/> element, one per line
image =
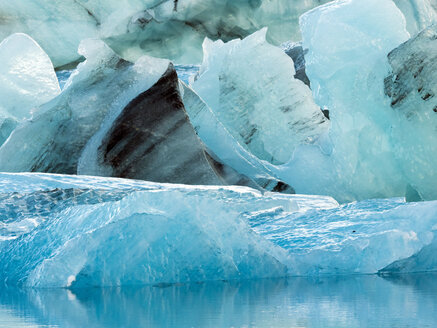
<point x="250" y="87"/>
<point x="348" y="43"/>
<point x="27" y="80"/>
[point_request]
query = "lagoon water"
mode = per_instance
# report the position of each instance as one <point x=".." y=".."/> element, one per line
<point x="346" y="301"/>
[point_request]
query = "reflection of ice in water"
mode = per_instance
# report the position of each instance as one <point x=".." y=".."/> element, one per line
<point x="354" y="301"/>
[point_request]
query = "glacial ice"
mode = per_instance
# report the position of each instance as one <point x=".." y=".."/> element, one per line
<point x="52" y="141"/>
<point x="224" y="147"/>
<point x="151" y="139"/>
<point x="355" y="159"/>
<point x="346" y="62"/>
<point x="161" y="28"/>
<point x="259" y="106"/>
<point x="412" y="89"/>
<point x="27" y="80"/>
<point x="419" y="14"/>
<point x="72" y="231"/>
<point x="81" y="229"/>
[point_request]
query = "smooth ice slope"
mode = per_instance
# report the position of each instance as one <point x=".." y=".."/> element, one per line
<point x="250" y="87"/>
<point x="27" y="80"/>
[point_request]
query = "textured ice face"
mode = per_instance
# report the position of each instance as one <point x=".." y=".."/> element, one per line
<point x="225" y="148"/>
<point x="250" y="86"/>
<point x="363" y="237"/>
<point x="84" y="231"/>
<point x="104" y="84"/>
<point x="419" y="14"/>
<point x="151" y="139"/>
<point x="347" y="43"/>
<point x="27" y="77"/>
<point x="61" y="231"/>
<point x="412" y="88"/>
<point x="162" y="28"/>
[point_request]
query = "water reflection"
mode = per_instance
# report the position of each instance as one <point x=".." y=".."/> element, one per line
<point x="357" y="301"/>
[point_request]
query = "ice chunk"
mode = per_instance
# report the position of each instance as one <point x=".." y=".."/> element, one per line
<point x="54" y="139"/>
<point x="259" y="106"/>
<point x="363" y="237"/>
<point x="84" y="227"/>
<point x="58" y="26"/>
<point x="419" y="14"/>
<point x="72" y="231"/>
<point x="27" y="80"/>
<point x="151" y="138"/>
<point x="27" y="77"/>
<point x="162" y="28"/>
<point x="347" y="43"/>
<point x="224" y="147"/>
<point x="412" y="89"/>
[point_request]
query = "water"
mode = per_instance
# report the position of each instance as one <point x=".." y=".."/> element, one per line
<point x="63" y="77"/>
<point x="185" y="72"/>
<point x="353" y="301"/>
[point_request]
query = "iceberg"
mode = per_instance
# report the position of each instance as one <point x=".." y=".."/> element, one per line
<point x="77" y="231"/>
<point x="411" y="88"/>
<point x="161" y="28"/>
<point x="116" y="118"/>
<point x="80" y="229"/>
<point x="223" y="147"/>
<point x="27" y="80"/>
<point x="419" y="14"/>
<point x="151" y="138"/>
<point x="357" y="238"/>
<point x="347" y="45"/>
<point x="52" y="141"/>
<point x="259" y="106"/>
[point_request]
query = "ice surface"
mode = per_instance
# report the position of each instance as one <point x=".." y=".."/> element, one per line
<point x="66" y="230"/>
<point x="162" y="28"/>
<point x="348" y="42"/>
<point x="62" y="231"/>
<point x="419" y="14"/>
<point x="152" y="139"/>
<point x="52" y="141"/>
<point x="224" y="146"/>
<point x="259" y="106"/>
<point x="27" y="80"/>
<point x="412" y="89"/>
<point x="362" y="237"/>
<point x="27" y="77"/>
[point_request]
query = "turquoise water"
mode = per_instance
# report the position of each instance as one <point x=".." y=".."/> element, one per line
<point x="353" y="301"/>
<point x="185" y="72"/>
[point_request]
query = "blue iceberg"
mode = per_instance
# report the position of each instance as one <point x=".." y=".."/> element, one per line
<point x="70" y="231"/>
